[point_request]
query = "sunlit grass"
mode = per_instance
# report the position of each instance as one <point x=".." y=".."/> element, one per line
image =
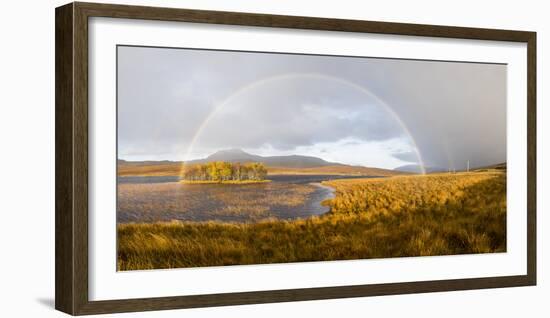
<point x="437" y="214"/>
<point x="175" y="169"/>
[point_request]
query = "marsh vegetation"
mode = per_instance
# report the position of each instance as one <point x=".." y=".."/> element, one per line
<point x="436" y="214"/>
<point x="164" y="198"/>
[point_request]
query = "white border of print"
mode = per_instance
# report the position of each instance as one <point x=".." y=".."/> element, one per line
<point x="106" y="283"/>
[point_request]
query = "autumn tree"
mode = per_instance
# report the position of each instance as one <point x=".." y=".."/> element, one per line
<point x="224" y="171"/>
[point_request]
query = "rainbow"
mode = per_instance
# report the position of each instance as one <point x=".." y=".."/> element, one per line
<point x="251" y="86"/>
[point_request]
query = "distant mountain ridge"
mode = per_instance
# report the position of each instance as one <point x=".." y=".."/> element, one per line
<point x="291" y="161"/>
<point x="413" y="168"/>
<point x="292" y="164"/>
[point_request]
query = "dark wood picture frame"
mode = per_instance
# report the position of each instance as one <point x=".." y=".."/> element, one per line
<point x="71" y="157"/>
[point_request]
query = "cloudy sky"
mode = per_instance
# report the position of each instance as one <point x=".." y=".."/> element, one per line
<point x="181" y="104"/>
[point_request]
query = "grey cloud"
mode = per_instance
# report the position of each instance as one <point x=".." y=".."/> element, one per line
<point x="299" y="112"/>
<point x="454" y="111"/>
<point x="406" y="156"/>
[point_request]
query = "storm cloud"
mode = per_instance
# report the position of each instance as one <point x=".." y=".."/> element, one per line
<point x="181" y="104"/>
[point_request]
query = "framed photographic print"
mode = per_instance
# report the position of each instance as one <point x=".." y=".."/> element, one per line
<point x="211" y="158"/>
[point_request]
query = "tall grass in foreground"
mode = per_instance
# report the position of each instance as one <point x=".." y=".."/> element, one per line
<point x="370" y="218"/>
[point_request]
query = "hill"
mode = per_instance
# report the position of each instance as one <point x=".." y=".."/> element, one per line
<point x="293" y="164"/>
<point x="498" y="166"/>
<point x="416" y="168"/>
<point x="292" y="161"/>
<point x="336" y="170"/>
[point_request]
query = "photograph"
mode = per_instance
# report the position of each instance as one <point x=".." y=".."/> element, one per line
<point x="248" y="158"/>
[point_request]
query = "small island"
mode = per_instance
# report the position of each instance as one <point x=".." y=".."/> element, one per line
<point x="224" y="172"/>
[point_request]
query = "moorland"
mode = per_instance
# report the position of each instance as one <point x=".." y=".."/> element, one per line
<point x="397" y="216"/>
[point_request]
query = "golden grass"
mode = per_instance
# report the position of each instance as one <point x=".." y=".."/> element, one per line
<point x="335" y="170"/>
<point x="438" y="214"/>
<point x="149" y="170"/>
<point x="174" y="169"/>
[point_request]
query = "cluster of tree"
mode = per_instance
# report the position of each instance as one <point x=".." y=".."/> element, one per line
<point x="224" y="171"/>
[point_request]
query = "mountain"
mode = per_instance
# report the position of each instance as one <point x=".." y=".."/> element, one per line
<point x="292" y="161"/>
<point x="231" y="155"/>
<point x="416" y="168"/>
<point x="293" y="164"/>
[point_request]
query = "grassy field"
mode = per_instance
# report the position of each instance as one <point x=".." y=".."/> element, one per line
<point x="344" y="170"/>
<point x="436" y="214"/>
<point x="126" y="169"/>
<point x="149" y="170"/>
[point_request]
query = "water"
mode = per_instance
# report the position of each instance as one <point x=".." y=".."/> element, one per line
<point x="162" y="198"/>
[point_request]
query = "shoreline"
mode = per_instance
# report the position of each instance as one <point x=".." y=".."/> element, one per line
<point x="236" y="182"/>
